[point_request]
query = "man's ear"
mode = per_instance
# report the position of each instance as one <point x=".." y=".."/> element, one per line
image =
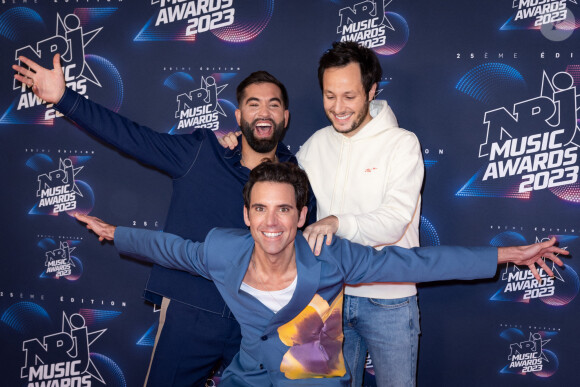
<point x="246" y="216"/>
<point x="286" y="118"/>
<point x="302" y="216"/>
<point x="372" y="92"/>
<point x="238" y="115"/>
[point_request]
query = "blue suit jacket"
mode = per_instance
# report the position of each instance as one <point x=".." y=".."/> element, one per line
<point x="303" y="340"/>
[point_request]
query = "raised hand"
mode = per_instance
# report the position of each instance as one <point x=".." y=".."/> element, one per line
<point x="48" y="85"/>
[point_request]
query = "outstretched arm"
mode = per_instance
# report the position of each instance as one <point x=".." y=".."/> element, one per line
<point x="531" y="255"/>
<point x="173" y="155"/>
<point x="48" y="85"/>
<point x="164" y="249"/>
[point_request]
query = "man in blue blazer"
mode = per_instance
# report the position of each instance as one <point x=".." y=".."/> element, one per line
<point x="287" y="300"/>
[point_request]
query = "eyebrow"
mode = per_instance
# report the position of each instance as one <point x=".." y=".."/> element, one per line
<point x="252" y="99"/>
<point x="283" y="205"/>
<point x="328" y="91"/>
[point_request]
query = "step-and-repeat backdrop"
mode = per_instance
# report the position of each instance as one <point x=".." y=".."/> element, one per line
<point x="490" y="89"/>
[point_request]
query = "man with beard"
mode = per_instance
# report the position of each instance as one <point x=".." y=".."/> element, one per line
<point x="196" y="330"/>
<point x="375" y="170"/>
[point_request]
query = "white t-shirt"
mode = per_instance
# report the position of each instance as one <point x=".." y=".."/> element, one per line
<point x="274" y="300"/>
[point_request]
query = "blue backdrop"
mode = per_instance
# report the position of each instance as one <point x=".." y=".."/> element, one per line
<point x="490" y="89"/>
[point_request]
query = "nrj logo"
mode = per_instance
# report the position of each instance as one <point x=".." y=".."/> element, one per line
<point x="59" y="262"/>
<point x="553" y="18"/>
<point x="201" y="16"/>
<point x="69" y="41"/>
<point x="541" y="11"/>
<point x="365" y="23"/>
<point x="200" y="108"/>
<point x="521" y="285"/>
<point x="189" y="17"/>
<point x="368" y="23"/>
<point x="62" y="358"/>
<point x="57" y="189"/>
<point x="531" y="355"/>
<point x="532" y="146"/>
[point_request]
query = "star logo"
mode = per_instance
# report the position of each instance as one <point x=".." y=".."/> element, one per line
<point x="207" y="94"/>
<point x="534" y="345"/>
<point x="62" y="253"/>
<point x="71" y="25"/>
<point x="71" y="346"/>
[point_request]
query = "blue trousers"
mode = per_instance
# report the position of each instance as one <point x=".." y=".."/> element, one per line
<point x="190" y="344"/>
<point x="389" y="330"/>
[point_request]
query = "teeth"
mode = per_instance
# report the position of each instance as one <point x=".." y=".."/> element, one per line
<point x="265" y="125"/>
<point x="343" y="117"/>
<point x="272" y="234"/>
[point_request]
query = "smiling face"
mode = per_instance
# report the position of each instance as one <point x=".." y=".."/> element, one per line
<point x="273" y="219"/>
<point x="262" y="116"/>
<point x="345" y="102"/>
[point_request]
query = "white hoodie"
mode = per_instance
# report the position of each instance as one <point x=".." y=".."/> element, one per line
<point x="371" y="182"/>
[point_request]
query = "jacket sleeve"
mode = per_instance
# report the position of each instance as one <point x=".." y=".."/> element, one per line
<point x="363" y="264"/>
<point x="388" y="223"/>
<point x="171" y="154"/>
<point x="164" y="249"/>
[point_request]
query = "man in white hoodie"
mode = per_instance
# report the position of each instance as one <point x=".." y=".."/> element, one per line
<point x="366" y="174"/>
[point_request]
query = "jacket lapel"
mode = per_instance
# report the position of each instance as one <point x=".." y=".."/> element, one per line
<point x="235" y="272"/>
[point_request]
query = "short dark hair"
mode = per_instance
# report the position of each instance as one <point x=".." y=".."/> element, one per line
<point x="261" y="77"/>
<point x="343" y="53"/>
<point x="279" y="172"/>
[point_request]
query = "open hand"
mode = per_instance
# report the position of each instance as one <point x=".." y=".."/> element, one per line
<point x="48" y="85"/>
<point x="531" y="255"/>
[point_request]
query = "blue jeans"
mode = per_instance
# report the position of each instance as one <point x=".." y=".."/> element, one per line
<point x="389" y="330"/>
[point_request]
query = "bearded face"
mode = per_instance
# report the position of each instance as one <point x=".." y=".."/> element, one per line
<point x="262" y="134"/>
<point x="262" y="116"/>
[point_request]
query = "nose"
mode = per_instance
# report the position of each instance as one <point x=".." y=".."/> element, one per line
<point x="271" y="218"/>
<point x="263" y="112"/>
<point x="338" y="105"/>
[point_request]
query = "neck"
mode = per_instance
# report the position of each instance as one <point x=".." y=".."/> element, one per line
<point x="251" y="158"/>
<point x="271" y="273"/>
